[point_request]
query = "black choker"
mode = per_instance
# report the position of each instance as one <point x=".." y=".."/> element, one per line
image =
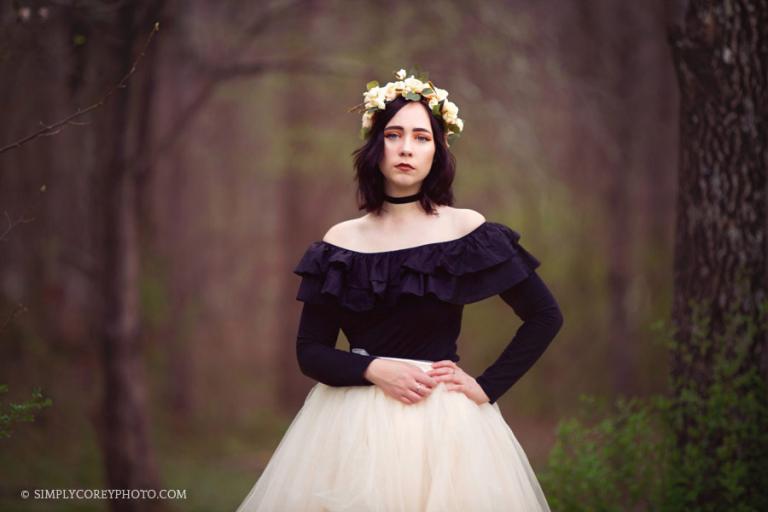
<point x="403" y="199"/>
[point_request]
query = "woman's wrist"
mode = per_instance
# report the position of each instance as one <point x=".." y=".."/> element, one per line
<point x="371" y="371"/>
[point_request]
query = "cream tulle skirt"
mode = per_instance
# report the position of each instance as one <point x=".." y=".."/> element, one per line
<point x="356" y="449"/>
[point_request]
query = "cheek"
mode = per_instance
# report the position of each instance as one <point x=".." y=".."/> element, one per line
<point x="430" y="154"/>
<point x="389" y="150"/>
<point x="389" y="155"/>
<point x="384" y="155"/>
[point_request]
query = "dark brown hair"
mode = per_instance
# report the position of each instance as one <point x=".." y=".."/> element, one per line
<point x="436" y="187"/>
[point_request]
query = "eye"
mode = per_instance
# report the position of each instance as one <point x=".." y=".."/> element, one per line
<point x="423" y="138"/>
<point x="390" y="134"/>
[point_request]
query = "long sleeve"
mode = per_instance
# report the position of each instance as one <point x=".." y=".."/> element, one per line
<point x="542" y="319"/>
<point x="316" y="353"/>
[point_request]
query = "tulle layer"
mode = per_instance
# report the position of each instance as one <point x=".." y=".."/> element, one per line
<point x="356" y="449"/>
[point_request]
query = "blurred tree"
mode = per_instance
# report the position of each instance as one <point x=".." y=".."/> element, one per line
<point x="721" y="260"/>
<point x="129" y="458"/>
<point x="616" y="64"/>
<point x="113" y="204"/>
<point x="722" y="65"/>
<point x="293" y="212"/>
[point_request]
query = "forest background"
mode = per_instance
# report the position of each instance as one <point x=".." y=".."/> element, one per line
<point x="147" y="244"/>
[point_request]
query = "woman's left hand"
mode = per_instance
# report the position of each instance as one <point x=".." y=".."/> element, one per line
<point x="456" y="379"/>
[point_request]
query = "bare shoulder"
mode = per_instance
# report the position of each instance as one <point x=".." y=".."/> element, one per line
<point x="466" y="219"/>
<point x="343" y="232"/>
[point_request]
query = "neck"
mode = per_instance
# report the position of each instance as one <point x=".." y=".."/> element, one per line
<point x="402" y="212"/>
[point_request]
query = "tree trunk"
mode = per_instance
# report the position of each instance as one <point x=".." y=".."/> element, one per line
<point x="721" y="257"/>
<point x="295" y="212"/>
<point x="128" y="455"/>
<point x="622" y="78"/>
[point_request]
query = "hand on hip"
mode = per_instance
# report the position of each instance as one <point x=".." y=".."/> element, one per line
<point x="456" y="379"/>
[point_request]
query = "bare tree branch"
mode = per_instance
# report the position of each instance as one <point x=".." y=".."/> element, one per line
<point x="218" y="75"/>
<point x="21" y="219"/>
<point x="12" y="223"/>
<point x="56" y="127"/>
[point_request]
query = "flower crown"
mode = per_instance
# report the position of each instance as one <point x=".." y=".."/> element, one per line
<point x="413" y="89"/>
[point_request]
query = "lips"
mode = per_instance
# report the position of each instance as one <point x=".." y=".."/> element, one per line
<point x="404" y="167"/>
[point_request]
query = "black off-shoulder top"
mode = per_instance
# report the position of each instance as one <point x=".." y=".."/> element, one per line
<point x="409" y="303"/>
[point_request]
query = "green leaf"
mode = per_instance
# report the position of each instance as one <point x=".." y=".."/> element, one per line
<point x="370" y="85"/>
<point x="427" y="90"/>
<point x="454" y="128"/>
<point x="420" y="73"/>
<point x="413" y="96"/>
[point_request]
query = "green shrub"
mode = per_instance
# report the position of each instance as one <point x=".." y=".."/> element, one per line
<point x="609" y="460"/>
<point x="628" y="457"/>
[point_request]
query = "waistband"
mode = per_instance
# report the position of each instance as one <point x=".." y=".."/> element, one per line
<point x="424" y="364"/>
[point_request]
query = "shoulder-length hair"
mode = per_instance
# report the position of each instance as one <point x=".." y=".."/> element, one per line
<point x="437" y="186"/>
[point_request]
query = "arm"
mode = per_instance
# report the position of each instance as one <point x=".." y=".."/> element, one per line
<point x="534" y="304"/>
<point x="316" y="353"/>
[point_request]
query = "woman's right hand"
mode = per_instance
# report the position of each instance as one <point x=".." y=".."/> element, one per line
<point x="402" y="381"/>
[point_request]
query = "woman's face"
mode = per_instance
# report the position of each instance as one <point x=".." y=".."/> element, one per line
<point x="408" y="139"/>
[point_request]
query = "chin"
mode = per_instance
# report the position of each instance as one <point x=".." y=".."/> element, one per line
<point x="406" y="181"/>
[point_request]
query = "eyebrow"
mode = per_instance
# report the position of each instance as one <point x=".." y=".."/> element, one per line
<point x="401" y="128"/>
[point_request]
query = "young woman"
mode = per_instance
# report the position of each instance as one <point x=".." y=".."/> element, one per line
<point x="395" y="424"/>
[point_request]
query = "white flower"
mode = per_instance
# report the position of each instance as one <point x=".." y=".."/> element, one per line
<point x="450" y="111"/>
<point x="441" y="93"/>
<point x="433" y="101"/>
<point x="400" y="74"/>
<point x="375" y="97"/>
<point x="413" y="84"/>
<point x="460" y="124"/>
<point x="390" y="90"/>
<point x="370" y="93"/>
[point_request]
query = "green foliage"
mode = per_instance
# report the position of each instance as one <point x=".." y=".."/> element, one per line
<point x="608" y="460"/>
<point x="724" y="463"/>
<point x="630" y="456"/>
<point x="11" y="413"/>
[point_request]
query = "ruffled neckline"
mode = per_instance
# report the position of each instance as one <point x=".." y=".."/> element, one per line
<point x="484" y="262"/>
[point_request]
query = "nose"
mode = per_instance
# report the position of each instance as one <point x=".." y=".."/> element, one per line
<point x="406" y="147"/>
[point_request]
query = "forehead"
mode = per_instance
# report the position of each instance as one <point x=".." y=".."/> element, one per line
<point x="412" y="115"/>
